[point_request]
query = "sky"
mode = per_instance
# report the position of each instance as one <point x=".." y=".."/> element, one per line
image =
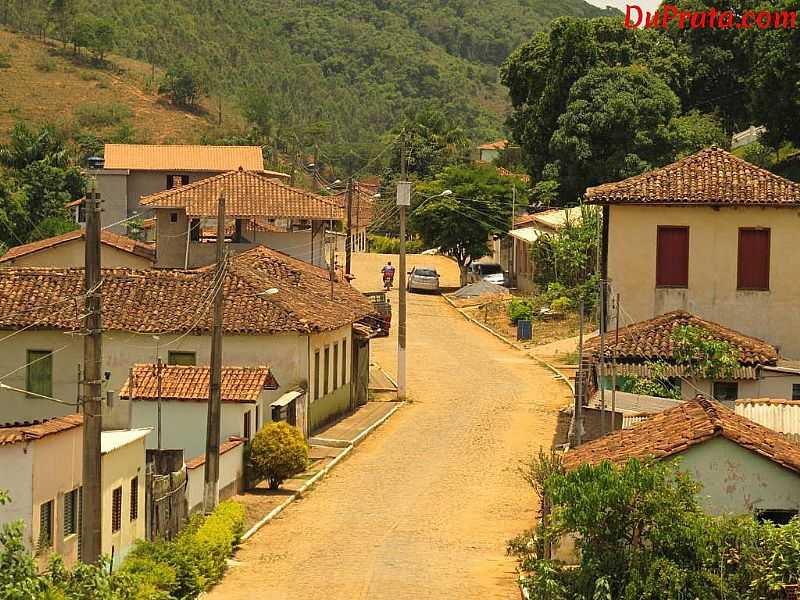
<point x="621" y="4"/>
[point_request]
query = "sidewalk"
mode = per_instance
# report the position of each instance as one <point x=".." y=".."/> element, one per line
<point x="325" y="450"/>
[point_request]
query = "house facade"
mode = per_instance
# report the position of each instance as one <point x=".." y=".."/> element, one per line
<point x="131" y="171"/>
<point x="246" y="396"/>
<point x="259" y="209"/>
<point x="69" y="251"/>
<point x="43" y="472"/>
<point x="712" y="235"/>
<point x="744" y="468"/>
<point x="279" y="311"/>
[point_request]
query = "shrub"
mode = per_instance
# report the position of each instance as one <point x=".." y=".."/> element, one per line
<point x="381" y="244"/>
<point x="102" y="115"/>
<point x="561" y="304"/>
<point x="277" y="452"/>
<point x="5" y="60"/>
<point x="45" y="64"/>
<point x="521" y="309"/>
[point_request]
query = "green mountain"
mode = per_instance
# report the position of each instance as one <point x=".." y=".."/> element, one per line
<point x="327" y="75"/>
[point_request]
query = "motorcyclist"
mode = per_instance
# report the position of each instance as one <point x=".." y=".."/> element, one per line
<point x="388" y="274"/>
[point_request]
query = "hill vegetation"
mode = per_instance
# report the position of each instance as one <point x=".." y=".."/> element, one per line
<point x="327" y="77"/>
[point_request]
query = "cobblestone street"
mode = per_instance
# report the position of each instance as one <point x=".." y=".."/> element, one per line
<point x="423" y="508"/>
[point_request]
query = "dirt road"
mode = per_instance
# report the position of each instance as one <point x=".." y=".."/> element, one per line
<point x="424" y="507"/>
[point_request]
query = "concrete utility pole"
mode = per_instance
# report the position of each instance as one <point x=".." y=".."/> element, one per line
<point x="211" y="490"/>
<point x="403" y="201"/>
<point x="348" y="242"/>
<point x="158" y="367"/>
<point x="579" y="390"/>
<point x="91" y="496"/>
<point x="614" y="364"/>
<point x="602" y="315"/>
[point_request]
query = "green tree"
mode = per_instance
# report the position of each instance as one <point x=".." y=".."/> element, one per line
<point x="694" y="131"/>
<point x="461" y="224"/>
<point x="63" y="12"/>
<point x="103" y="38"/>
<point x="615" y="125"/>
<point x="184" y="84"/>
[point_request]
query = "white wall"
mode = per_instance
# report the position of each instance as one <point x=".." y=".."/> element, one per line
<point x="285" y="353"/>
<point x="185" y="423"/>
<point x="119" y="467"/>
<point x="16" y="473"/>
<point x="319" y="342"/>
<point x="231" y="468"/>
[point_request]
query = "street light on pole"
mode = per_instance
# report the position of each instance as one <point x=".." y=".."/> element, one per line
<point x="404" y="194"/>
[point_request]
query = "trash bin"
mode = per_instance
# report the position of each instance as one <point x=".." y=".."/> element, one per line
<point x="524" y="329"/>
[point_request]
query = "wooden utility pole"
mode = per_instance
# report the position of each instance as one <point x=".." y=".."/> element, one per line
<point x="348" y="242"/>
<point x="211" y="490"/>
<point x="332" y="259"/>
<point x="91" y="495"/>
<point x="401" y="329"/>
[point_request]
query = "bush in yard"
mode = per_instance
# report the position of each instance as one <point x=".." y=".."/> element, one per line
<point x="277" y="452"/>
<point x="561" y="304"/>
<point x="381" y="244"/>
<point x="520" y="309"/>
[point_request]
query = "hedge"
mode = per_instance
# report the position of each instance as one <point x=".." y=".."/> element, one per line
<point x="380" y="244"/>
<point x="191" y="563"/>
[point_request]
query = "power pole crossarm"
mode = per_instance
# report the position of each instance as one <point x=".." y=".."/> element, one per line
<point x="211" y="489"/>
<point x="91" y="495"/>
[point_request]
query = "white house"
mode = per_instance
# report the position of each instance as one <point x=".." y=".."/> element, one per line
<point x="42" y="471"/>
<point x="246" y="396"/>
<point x="279" y="311"/>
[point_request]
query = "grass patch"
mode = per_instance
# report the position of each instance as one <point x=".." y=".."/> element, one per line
<point x="102" y="115"/>
<point x="45" y="64"/>
<point x="5" y="60"/>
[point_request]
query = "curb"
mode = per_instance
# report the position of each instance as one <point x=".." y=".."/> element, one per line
<point x="350" y="446"/>
<point x="514" y="345"/>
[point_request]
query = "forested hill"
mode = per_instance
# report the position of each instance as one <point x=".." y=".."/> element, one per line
<point x="340" y="71"/>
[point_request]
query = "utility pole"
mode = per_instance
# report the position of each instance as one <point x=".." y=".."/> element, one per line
<point x="602" y="314"/>
<point x="578" y="417"/>
<point x="158" y="367"/>
<point x="91" y="496"/>
<point x="211" y="490"/>
<point x="614" y="364"/>
<point x="403" y="201"/>
<point x="332" y="259"/>
<point x="348" y="243"/>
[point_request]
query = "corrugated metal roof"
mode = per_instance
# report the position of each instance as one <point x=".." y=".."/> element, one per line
<point x="636" y="403"/>
<point x="780" y="415"/>
<point x="112" y="440"/>
<point x="146" y="157"/>
<point x="526" y="234"/>
<point x="671" y="370"/>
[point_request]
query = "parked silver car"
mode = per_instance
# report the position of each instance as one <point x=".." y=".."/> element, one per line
<point x="491" y="272"/>
<point x="423" y="278"/>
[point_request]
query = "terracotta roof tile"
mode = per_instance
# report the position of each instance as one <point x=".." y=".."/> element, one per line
<point x="120" y="242"/>
<point x="710" y="177"/>
<point x="182" y="158"/>
<point x="652" y="340"/>
<point x="162" y="301"/>
<point x="498" y="145"/>
<point x="682" y="427"/>
<point x="179" y="382"/>
<point x="247" y="194"/>
<point x="11" y="433"/>
<point x="224" y="447"/>
<point x="503" y="172"/>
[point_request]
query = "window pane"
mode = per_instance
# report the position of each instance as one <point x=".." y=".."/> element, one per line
<point x="672" y="256"/>
<point x="46" y="524"/>
<point x="335" y="366"/>
<point x="726" y="391"/>
<point x="182" y="358"/>
<point x="796" y="391"/>
<point x="134" y="498"/>
<point x="753" y="267"/>
<point x="344" y="360"/>
<point x="316" y="375"/>
<point x="116" y="509"/>
<point x="71" y="512"/>
<point x="40" y="372"/>
<point x="327" y="369"/>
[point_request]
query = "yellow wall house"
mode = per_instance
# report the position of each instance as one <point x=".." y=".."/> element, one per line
<point x="42" y="466"/>
<point x="759" y="372"/>
<point x="712" y="235"/>
<point x="744" y="467"/>
<point x="130" y="171"/>
<point x="279" y="311"/>
<point x="68" y="251"/>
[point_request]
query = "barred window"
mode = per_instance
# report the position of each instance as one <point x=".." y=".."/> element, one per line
<point x="46" y="524"/>
<point x="116" y="509"/>
<point x="71" y="509"/>
<point x="134" y="498"/>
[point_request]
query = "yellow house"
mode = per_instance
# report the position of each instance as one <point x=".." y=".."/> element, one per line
<point x="68" y="251"/>
<point x="711" y="235"/>
<point x="42" y="471"/>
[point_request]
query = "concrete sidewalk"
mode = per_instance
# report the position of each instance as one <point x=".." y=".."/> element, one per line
<point x="351" y="429"/>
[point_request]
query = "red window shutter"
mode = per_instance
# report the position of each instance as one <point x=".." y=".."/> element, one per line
<point x="672" y="256"/>
<point x="753" y="266"/>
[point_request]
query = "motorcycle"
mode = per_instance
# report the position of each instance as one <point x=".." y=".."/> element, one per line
<point x="387" y="282"/>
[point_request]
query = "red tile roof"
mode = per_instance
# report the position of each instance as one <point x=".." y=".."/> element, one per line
<point x="113" y="240"/>
<point x="498" y="145"/>
<point x="678" y="429"/>
<point x="164" y="301"/>
<point x="503" y="172"/>
<point x="710" y="177"/>
<point x="11" y="433"/>
<point x="178" y="382"/>
<point x="652" y="340"/>
<point x="183" y="158"/>
<point x="247" y="194"/>
<point x="224" y="447"/>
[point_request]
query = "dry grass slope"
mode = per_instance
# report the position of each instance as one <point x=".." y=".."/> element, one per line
<point x="38" y="83"/>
